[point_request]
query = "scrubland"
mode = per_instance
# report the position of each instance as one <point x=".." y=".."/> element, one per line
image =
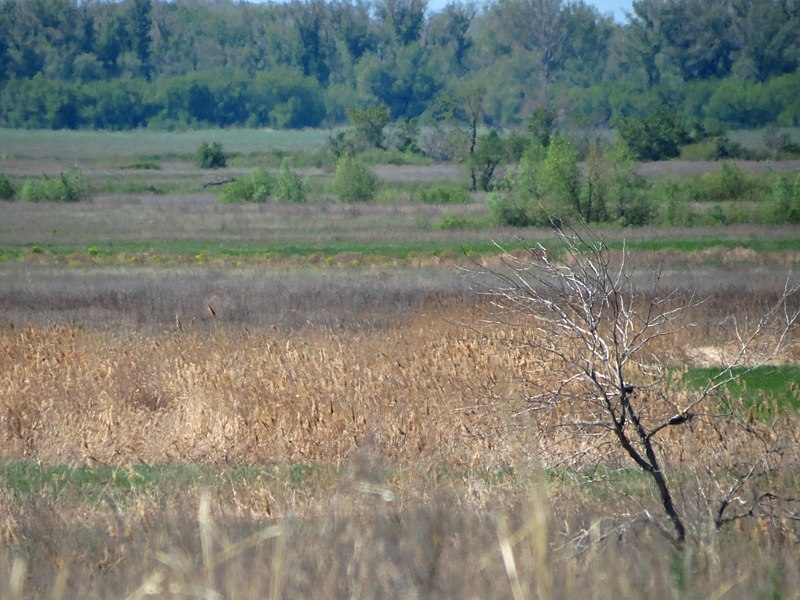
<point x="318" y="401"/>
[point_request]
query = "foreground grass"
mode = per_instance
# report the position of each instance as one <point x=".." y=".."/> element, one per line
<point x="179" y="530"/>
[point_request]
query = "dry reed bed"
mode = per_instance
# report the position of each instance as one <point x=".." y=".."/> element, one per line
<point x="437" y="391"/>
<point x="432" y="389"/>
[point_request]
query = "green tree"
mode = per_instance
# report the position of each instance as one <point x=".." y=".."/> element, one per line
<point x="536" y="27"/>
<point x="489" y="154"/>
<point x="561" y="179"/>
<point x="140" y="22"/>
<point x="540" y="125"/>
<point x="767" y="37"/>
<point x="369" y="123"/>
<point x="403" y="20"/>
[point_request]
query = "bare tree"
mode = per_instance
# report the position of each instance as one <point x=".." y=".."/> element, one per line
<point x="594" y="334"/>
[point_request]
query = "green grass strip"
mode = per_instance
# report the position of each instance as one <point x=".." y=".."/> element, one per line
<point x="764" y="387"/>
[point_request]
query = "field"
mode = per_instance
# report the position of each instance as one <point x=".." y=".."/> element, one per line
<point x="318" y="400"/>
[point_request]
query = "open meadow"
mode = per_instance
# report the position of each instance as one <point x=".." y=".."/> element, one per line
<point x="326" y="399"/>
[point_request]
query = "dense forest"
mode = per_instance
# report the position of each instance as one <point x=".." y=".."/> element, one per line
<point x="192" y="63"/>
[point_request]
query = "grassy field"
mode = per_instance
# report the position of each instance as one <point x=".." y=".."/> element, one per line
<point x="275" y="401"/>
<point x="92" y="146"/>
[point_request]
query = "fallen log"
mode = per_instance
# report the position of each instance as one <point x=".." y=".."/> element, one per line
<point x="220" y="182"/>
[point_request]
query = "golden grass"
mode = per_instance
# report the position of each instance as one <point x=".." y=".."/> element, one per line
<point x="415" y="421"/>
<point x="430" y="389"/>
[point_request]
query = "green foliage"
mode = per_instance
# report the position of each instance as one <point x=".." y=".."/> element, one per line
<point x="71" y="186"/>
<point x="786" y="200"/>
<point x="210" y="156"/>
<point x="99" y="65"/>
<point x="527" y="181"/>
<point x="628" y="200"/>
<point x="743" y="104"/>
<point x="369" y="123"/>
<point x="657" y="135"/>
<point x="540" y="125"/>
<point x="288" y="186"/>
<point x="510" y="207"/>
<point x="256" y="188"/>
<point x="561" y="178"/>
<point x="406" y="136"/>
<point x="594" y="192"/>
<point x="354" y="181"/>
<point x="489" y="154"/>
<point x="460" y="223"/>
<point x="728" y="183"/>
<point x="7" y="189"/>
<point x="444" y="193"/>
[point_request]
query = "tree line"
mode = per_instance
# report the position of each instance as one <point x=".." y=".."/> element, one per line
<point x="305" y="63"/>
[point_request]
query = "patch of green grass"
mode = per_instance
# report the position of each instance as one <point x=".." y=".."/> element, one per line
<point x="697" y="244"/>
<point x="91" y="484"/>
<point x="765" y="386"/>
<point x="182" y="250"/>
<point x="169" y="252"/>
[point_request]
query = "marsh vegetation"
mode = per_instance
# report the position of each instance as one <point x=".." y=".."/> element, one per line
<point x="314" y="399"/>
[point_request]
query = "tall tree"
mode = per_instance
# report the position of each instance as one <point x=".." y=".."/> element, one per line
<point x="403" y="20"/>
<point x="537" y="27"/>
<point x="140" y="22"/>
<point x="768" y="37"/>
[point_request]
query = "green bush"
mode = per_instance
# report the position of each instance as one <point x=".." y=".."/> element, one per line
<point x="669" y="198"/>
<point x="658" y="135"/>
<point x="460" y="223"/>
<point x="509" y="208"/>
<point x="71" y="186"/>
<point x="444" y="193"/>
<point x="288" y="186"/>
<point x="6" y="188"/>
<point x="211" y="156"/>
<point x="256" y="188"/>
<point x="354" y="181"/>
<point x="728" y="183"/>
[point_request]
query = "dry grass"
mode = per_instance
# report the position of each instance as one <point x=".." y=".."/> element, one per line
<point x="417" y="476"/>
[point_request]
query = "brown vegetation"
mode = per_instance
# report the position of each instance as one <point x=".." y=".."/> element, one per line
<point x="426" y="483"/>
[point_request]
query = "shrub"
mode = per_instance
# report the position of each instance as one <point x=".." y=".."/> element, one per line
<point x="728" y="183"/>
<point x="509" y="208"/>
<point x="354" y="181"/>
<point x="670" y="199"/>
<point x="211" y="156"/>
<point x="71" y="186"/>
<point x="288" y="186"/>
<point x="256" y="188"/>
<point x="786" y="200"/>
<point x="459" y="223"/>
<point x="657" y="135"/>
<point x="6" y="188"/>
<point x="444" y="193"/>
